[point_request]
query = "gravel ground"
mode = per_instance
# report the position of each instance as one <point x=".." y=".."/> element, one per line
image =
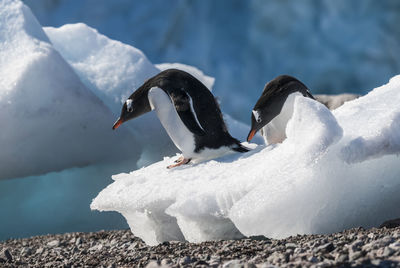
<point x="354" y="247"/>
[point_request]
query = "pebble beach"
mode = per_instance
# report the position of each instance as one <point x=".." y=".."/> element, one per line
<point x="351" y="248"/>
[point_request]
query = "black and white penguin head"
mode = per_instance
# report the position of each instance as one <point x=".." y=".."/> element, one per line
<point x="257" y="122"/>
<point x="272" y="100"/>
<point x="136" y="105"/>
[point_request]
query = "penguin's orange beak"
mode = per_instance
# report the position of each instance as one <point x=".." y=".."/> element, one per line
<point x="117" y="123"/>
<point x="251" y="135"/>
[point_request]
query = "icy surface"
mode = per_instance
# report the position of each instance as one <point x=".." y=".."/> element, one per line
<point x="333" y="171"/>
<point x="51" y="120"/>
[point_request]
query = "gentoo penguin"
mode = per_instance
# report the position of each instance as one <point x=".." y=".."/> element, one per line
<point x="274" y="108"/>
<point x="188" y="112"/>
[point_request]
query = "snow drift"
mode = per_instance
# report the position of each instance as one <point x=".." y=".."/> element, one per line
<point x="51" y="120"/>
<point x="334" y="171"/>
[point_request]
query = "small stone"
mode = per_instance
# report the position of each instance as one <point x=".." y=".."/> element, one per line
<point x="291" y="245"/>
<point x="39" y="251"/>
<point x="388" y="252"/>
<point x="376" y="262"/>
<point x="341" y="258"/>
<point x="185" y="260"/>
<point x="165" y="262"/>
<point x="53" y="243"/>
<point x="395" y="245"/>
<point x="313" y="259"/>
<point x="153" y="256"/>
<point x="6" y="254"/>
<point x="371" y="235"/>
<point x="298" y="250"/>
<point x="326" y="248"/>
<point x="96" y="247"/>
<point x="26" y="251"/>
<point x="355" y="255"/>
<point x="78" y="241"/>
<point x="356" y="245"/>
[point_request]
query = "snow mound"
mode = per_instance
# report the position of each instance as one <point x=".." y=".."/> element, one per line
<point x="52" y="121"/>
<point x="318" y="180"/>
<point x="113" y="70"/>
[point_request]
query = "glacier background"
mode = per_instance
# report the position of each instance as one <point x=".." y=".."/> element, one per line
<point x="333" y="47"/>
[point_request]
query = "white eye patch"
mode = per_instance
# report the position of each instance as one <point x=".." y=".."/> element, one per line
<point x="129" y="107"/>
<point x="257" y="116"/>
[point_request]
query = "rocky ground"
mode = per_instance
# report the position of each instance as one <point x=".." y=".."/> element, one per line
<point x="355" y="247"/>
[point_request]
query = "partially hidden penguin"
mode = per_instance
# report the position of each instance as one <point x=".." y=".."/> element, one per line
<point x="188" y="112"/>
<point x="274" y="108"/>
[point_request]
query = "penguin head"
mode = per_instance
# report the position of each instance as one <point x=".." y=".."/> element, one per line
<point x="136" y="105"/>
<point x="257" y="123"/>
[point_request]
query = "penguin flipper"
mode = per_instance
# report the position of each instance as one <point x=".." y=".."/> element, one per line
<point x="184" y="107"/>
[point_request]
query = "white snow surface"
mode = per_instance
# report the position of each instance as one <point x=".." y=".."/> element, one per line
<point x="333" y="171"/>
<point x="110" y="68"/>
<point x="51" y="121"/>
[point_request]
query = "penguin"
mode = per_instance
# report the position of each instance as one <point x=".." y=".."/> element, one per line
<point x="274" y="108"/>
<point x="188" y="112"/>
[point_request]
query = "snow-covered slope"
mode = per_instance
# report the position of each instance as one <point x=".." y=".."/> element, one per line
<point x="51" y="121"/>
<point x="334" y="171"/>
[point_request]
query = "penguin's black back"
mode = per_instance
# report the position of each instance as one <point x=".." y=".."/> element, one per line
<point x="173" y="82"/>
<point x="279" y="89"/>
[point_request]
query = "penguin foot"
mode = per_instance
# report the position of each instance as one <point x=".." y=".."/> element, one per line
<point x="179" y="162"/>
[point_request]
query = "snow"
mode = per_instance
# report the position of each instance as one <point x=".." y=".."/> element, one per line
<point x="321" y="179"/>
<point x="53" y="121"/>
<point x="108" y="67"/>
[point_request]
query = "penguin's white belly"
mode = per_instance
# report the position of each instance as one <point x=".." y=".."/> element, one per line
<point x="169" y="118"/>
<point x="275" y="131"/>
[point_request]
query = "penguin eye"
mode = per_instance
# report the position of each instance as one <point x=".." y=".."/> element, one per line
<point x="129" y="107"/>
<point x="257" y="116"/>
